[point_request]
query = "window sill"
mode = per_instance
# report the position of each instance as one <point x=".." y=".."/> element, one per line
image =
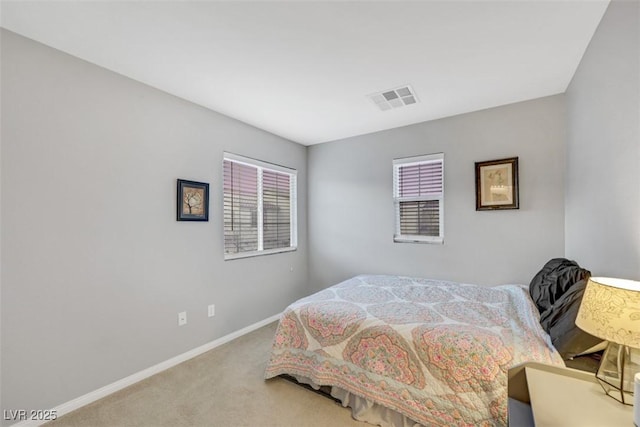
<point x="229" y="257"/>
<point x="419" y="239"/>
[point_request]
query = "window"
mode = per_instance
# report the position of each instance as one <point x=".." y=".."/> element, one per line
<point x="418" y="194"/>
<point x="259" y="207"/>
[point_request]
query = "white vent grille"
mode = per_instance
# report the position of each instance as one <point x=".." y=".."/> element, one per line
<point x="394" y="98"/>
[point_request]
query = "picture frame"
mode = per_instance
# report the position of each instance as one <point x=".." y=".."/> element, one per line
<point x="192" y="201"/>
<point x="497" y="184"/>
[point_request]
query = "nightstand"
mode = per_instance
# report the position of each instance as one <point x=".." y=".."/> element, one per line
<point x="545" y="396"/>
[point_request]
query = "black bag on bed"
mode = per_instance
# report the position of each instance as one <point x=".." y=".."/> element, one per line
<point x="557" y="291"/>
<point x="555" y="278"/>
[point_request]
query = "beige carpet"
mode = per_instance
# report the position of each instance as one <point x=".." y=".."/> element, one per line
<point x="223" y="387"/>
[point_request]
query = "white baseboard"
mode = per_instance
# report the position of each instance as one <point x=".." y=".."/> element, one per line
<point x="91" y="397"/>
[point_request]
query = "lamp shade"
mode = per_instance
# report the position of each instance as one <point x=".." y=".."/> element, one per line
<point x="610" y="309"/>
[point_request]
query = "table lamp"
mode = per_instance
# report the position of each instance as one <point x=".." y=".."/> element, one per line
<point x="610" y="309"/>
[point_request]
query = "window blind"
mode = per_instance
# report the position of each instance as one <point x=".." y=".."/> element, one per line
<point x="418" y="197"/>
<point x="422" y="179"/>
<point x="276" y="210"/>
<point x="240" y="207"/>
<point x="259" y="207"/>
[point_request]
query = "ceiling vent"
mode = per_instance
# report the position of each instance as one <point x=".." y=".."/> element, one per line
<point x="394" y="98"/>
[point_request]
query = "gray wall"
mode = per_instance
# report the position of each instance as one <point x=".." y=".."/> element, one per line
<point x="603" y="150"/>
<point x="351" y="207"/>
<point x="95" y="267"/>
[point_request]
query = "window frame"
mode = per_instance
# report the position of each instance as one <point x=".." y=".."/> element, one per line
<point x="293" y="214"/>
<point x="398" y="237"/>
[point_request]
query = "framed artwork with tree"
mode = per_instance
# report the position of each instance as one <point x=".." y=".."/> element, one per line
<point x="193" y="201"/>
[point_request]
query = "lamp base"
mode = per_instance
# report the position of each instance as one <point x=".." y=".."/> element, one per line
<point x="617" y="370"/>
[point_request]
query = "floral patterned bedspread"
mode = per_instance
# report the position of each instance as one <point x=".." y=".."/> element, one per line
<point x="437" y="352"/>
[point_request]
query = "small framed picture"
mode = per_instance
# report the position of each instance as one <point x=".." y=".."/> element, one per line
<point x="497" y="184"/>
<point x="193" y="201"/>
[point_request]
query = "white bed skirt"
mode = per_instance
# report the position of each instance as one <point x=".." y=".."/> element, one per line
<point x="363" y="409"/>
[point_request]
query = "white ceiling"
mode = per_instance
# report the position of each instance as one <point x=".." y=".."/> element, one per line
<point x="303" y="70"/>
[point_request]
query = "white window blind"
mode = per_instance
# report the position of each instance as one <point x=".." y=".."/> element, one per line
<point x="418" y="192"/>
<point x="276" y="209"/>
<point x="240" y="208"/>
<point x="259" y="207"/>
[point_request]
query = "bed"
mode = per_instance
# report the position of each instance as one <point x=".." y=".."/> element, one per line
<point x="404" y="351"/>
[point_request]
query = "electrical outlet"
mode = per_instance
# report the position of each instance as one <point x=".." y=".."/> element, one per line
<point x="212" y="310"/>
<point x="182" y="318"/>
